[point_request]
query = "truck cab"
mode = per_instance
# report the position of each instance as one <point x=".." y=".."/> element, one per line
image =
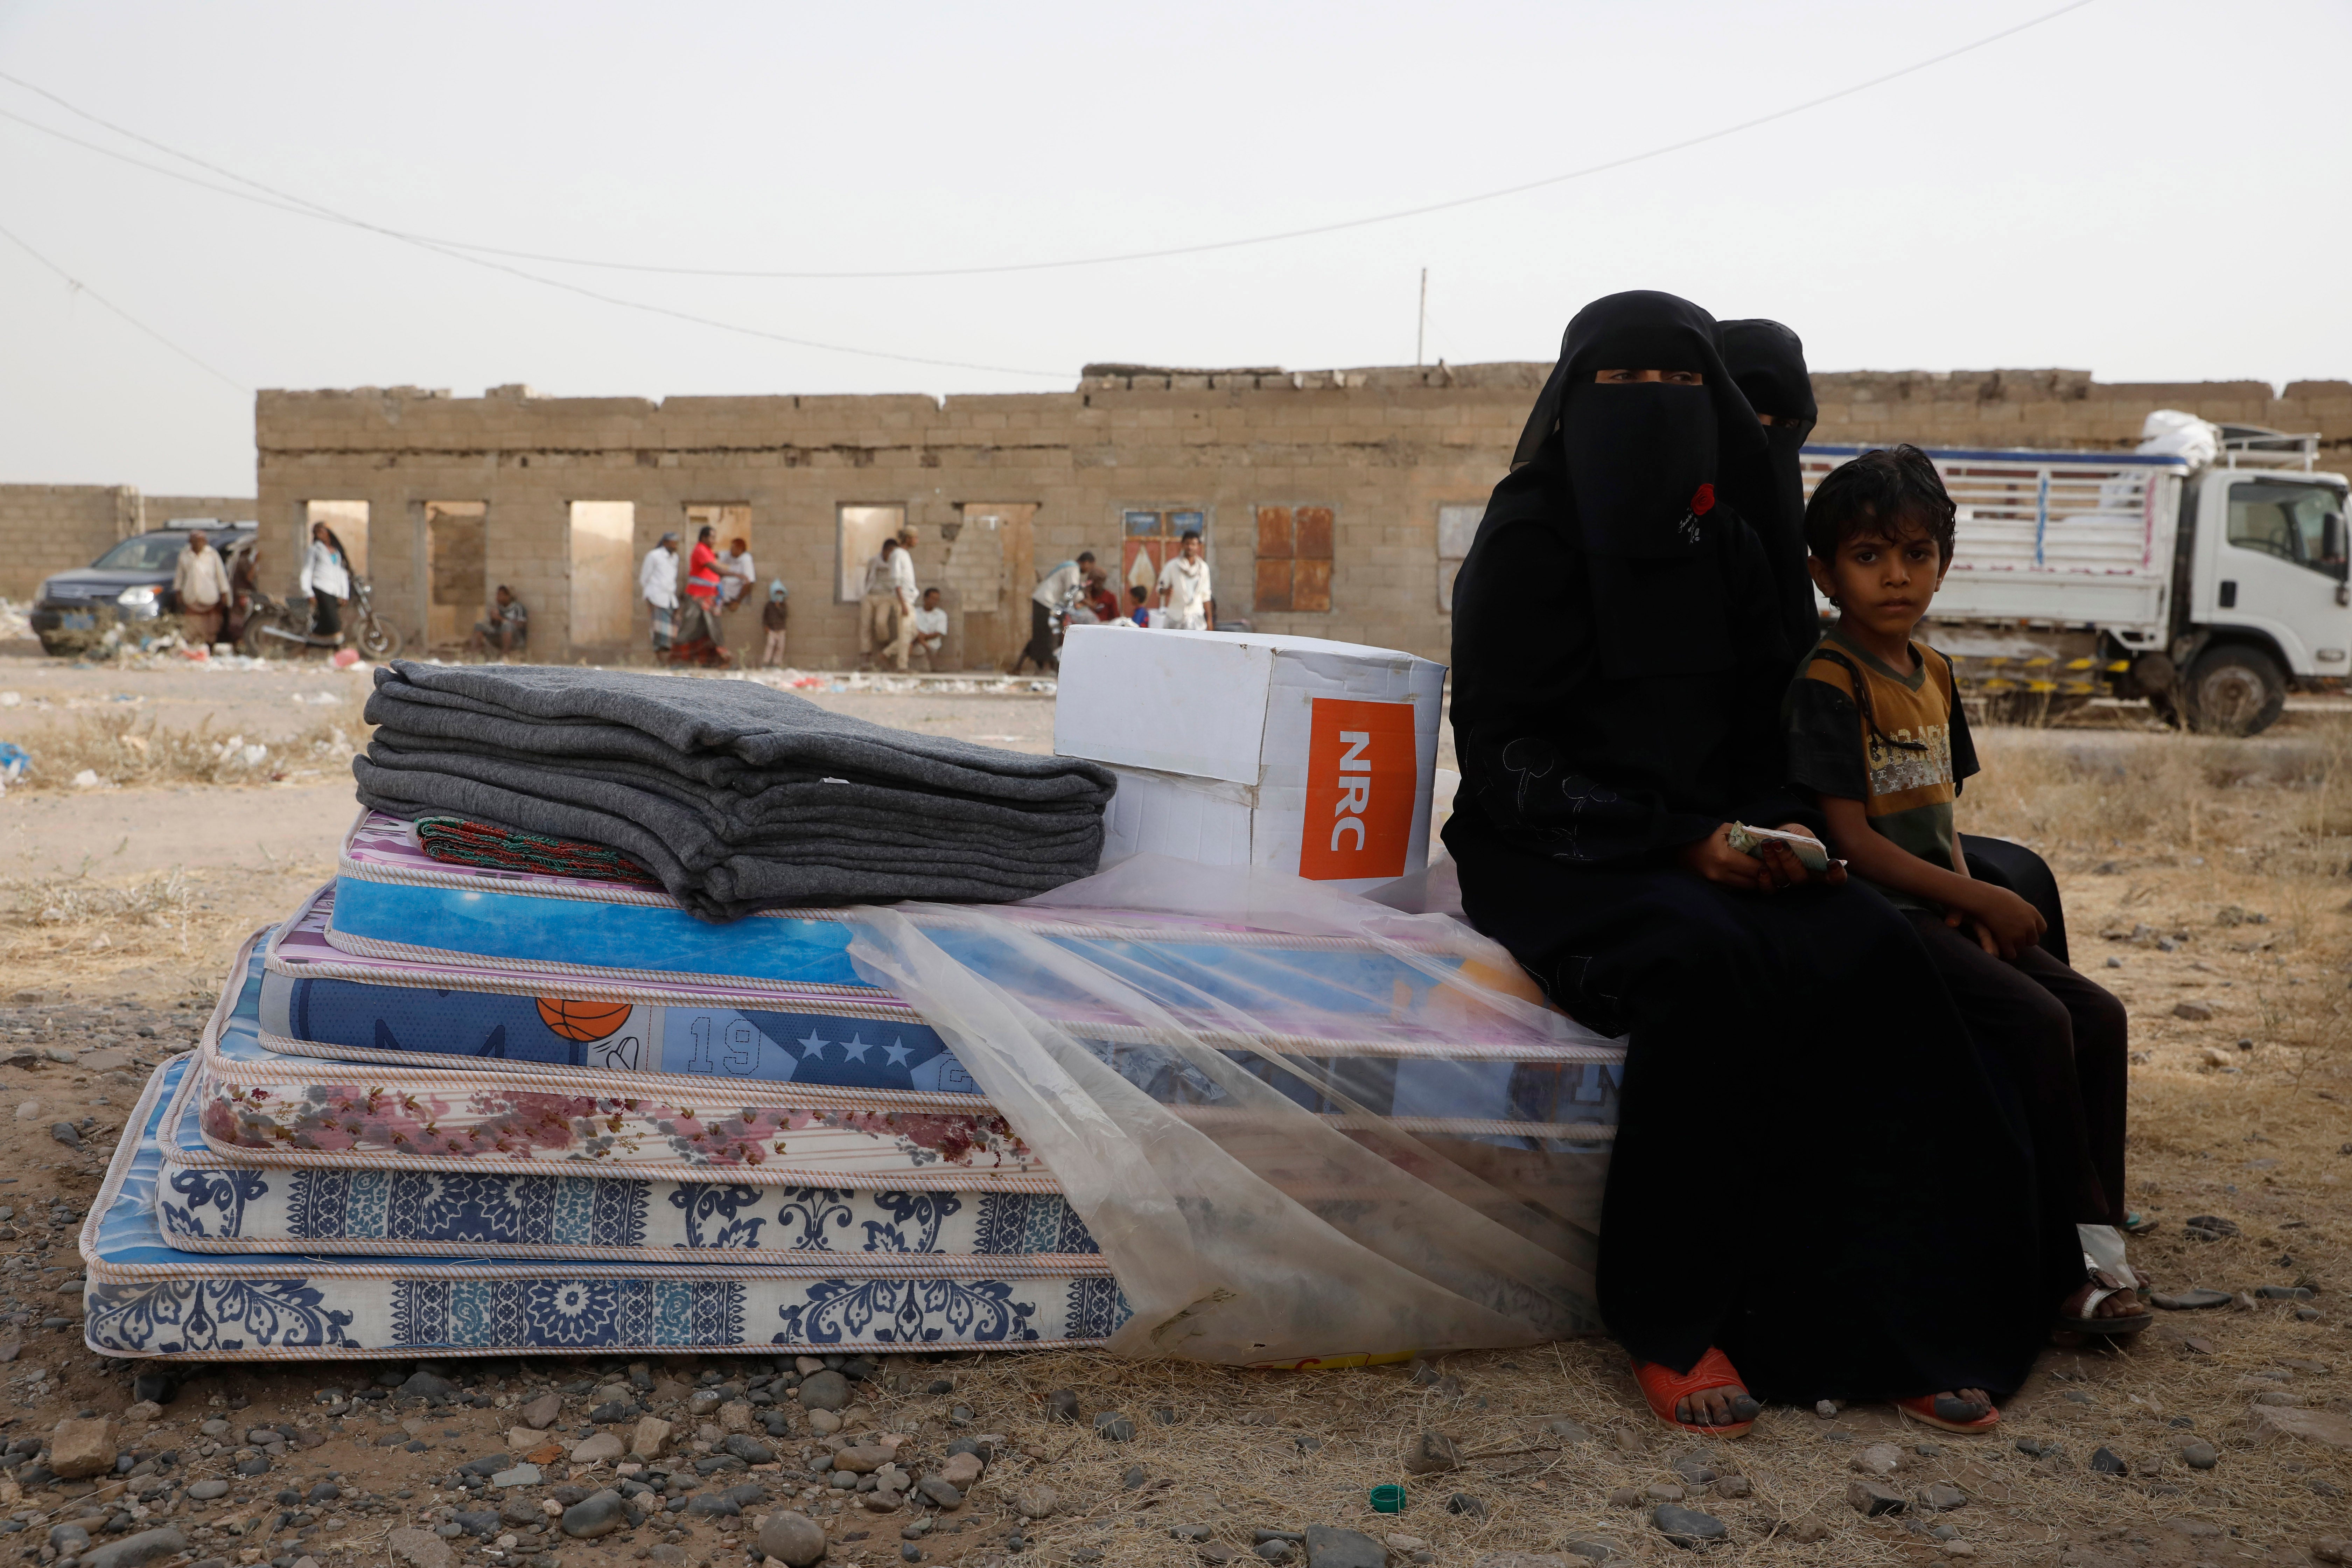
<point x="2264" y="601"/>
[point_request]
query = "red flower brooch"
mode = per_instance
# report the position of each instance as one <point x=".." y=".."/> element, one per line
<point x="1702" y="500"/>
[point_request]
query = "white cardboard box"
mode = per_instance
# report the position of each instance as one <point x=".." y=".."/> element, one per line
<point x="1312" y="757"/>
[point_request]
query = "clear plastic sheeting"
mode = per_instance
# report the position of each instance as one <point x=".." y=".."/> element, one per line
<point x="1302" y="1126"/>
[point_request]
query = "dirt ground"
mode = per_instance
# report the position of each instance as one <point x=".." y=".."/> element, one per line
<point x="2206" y="884"/>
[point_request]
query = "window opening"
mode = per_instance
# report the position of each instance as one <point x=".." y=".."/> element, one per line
<point x="860" y="530"/>
<point x="1456" y="526"/>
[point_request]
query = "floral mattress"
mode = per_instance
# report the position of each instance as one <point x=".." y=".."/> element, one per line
<point x="147" y="1296"/>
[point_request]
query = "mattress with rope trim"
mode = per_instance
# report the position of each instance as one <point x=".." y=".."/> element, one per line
<point x="145" y="1297"/>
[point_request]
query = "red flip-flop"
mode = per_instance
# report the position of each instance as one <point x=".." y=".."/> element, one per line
<point x="1661" y="1386"/>
<point x="1945" y="1410"/>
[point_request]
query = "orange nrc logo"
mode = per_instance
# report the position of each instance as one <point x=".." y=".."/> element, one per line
<point x="1361" y="779"/>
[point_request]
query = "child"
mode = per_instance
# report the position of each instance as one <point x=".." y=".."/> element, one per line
<point x="1876" y="732"/>
<point x="774" y="615"/>
<point x="1138" y="605"/>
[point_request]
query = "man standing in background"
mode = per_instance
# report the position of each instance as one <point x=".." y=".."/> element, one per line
<point x="882" y="621"/>
<point x="657" y="583"/>
<point x="200" y="588"/>
<point x="1187" y="602"/>
<point x="1054" y="591"/>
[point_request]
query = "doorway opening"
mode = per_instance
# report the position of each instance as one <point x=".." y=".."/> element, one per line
<point x="457" y="573"/>
<point x="604" y="581"/>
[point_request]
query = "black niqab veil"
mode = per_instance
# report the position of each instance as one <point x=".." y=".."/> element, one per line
<point x="1768" y="362"/>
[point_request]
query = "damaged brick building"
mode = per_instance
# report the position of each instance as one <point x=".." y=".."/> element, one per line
<point x="1335" y="503"/>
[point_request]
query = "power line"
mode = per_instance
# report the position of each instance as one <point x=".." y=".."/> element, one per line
<point x="1203" y="248"/>
<point x="300" y="207"/>
<point x="80" y="286"/>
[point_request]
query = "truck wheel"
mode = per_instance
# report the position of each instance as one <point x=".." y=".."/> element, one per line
<point x="2235" y="690"/>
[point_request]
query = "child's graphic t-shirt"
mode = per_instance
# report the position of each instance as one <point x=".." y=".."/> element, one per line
<point x="1902" y="750"/>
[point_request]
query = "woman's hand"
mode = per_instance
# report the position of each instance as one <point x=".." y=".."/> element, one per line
<point x="1774" y="868"/>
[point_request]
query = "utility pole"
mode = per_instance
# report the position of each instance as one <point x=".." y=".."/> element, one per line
<point x="1420" y="325"/>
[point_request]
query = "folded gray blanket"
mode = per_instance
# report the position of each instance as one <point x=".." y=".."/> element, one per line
<point x="735" y="796"/>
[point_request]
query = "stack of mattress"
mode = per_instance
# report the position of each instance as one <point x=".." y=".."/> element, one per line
<point x="479" y="1110"/>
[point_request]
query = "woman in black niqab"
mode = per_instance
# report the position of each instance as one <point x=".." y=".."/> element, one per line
<point x="1767" y="360"/>
<point x="1810" y="1173"/>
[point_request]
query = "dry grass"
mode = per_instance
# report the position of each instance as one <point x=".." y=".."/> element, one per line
<point x="84" y="932"/>
<point x="123" y="748"/>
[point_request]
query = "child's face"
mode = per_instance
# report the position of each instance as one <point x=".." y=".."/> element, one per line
<point x="1883" y="584"/>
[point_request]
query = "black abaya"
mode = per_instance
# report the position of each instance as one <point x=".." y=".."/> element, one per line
<point x="1811" y="1169"/>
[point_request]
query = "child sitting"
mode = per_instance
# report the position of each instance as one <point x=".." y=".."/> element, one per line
<point x="1876" y="733"/>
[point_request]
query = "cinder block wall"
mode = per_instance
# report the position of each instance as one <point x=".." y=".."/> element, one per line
<point x="1384" y="449"/>
<point x="53" y="528"/>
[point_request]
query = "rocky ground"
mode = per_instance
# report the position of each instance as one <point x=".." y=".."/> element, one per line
<point x="2207" y="886"/>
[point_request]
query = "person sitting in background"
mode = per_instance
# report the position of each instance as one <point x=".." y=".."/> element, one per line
<point x="200" y="589"/>
<point x="735" y="573"/>
<point x="1138" y="605"/>
<point x="772" y="616"/>
<point x="508" y="626"/>
<point x="1100" y="599"/>
<point x="931" y="639"/>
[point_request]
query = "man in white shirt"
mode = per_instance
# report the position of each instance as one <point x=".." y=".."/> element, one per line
<point x="200" y="589"/>
<point x="930" y="631"/>
<point x="657" y="585"/>
<point x="885" y="614"/>
<point x="1187" y="602"/>
<point x="1054" y="591"/>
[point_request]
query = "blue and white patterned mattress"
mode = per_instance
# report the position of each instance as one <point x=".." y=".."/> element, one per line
<point x="147" y="1298"/>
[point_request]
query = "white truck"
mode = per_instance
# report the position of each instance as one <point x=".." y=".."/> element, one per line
<point x="2207" y="584"/>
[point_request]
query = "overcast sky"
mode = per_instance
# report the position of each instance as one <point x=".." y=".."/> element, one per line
<point x="2147" y="189"/>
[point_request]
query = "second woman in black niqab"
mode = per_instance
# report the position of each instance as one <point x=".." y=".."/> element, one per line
<point x="1767" y="362"/>
<point x="1812" y="1172"/>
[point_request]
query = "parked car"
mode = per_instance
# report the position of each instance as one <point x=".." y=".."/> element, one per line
<point x="132" y="581"/>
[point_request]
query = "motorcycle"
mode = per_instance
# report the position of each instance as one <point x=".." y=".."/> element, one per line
<point x="278" y="628"/>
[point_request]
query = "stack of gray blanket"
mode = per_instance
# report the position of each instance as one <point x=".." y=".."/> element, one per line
<point x="735" y="796"/>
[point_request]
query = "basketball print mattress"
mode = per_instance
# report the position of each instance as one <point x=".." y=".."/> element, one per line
<point x="147" y="1296"/>
<point x="262" y="1107"/>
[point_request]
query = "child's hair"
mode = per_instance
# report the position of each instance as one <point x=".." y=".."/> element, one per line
<point x="1888" y="492"/>
<point x="1138" y="592"/>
